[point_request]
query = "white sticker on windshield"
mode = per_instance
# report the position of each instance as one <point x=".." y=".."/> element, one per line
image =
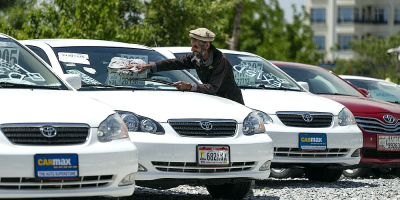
<point x="9" y="55"/>
<point x="74" y="58"/>
<point x="85" y="78"/>
<point x="142" y="57"/>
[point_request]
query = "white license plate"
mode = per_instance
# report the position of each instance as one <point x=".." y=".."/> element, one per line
<point x="388" y="143"/>
<point x="210" y="155"/>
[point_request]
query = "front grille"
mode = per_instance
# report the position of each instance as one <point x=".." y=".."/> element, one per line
<point x="192" y="127"/>
<point x="374" y="153"/>
<point x="297" y="152"/>
<point x="67" y="134"/>
<point x="295" y="119"/>
<point x="191" y="167"/>
<point x="375" y="125"/>
<point x="25" y="183"/>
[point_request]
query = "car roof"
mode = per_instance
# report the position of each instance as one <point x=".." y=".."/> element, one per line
<point x="360" y="77"/>
<point x="185" y="50"/>
<point x="87" y="42"/>
<point x="294" y="64"/>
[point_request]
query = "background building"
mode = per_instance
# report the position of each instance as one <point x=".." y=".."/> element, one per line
<point x="336" y="22"/>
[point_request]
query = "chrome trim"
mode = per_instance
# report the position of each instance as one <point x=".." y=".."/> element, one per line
<point x="208" y="120"/>
<point x="375" y="123"/>
<point x="38" y="125"/>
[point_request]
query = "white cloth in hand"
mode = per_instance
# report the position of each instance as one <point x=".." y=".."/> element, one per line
<point x="121" y="63"/>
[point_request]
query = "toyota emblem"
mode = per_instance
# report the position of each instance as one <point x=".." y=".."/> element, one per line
<point x="206" y="125"/>
<point x="307" y="117"/>
<point x="48" y="131"/>
<point x="388" y="118"/>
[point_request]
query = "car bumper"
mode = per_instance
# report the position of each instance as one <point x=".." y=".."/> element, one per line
<point x="101" y="166"/>
<point x="173" y="156"/>
<point x="372" y="157"/>
<point x="342" y="142"/>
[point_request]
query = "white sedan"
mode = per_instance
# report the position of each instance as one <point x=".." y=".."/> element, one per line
<point x="309" y="132"/>
<point x="182" y="137"/>
<point x="54" y="141"/>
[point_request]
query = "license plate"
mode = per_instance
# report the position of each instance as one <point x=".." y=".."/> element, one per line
<point x="56" y="166"/>
<point x="388" y="142"/>
<point x="210" y="155"/>
<point x="312" y="142"/>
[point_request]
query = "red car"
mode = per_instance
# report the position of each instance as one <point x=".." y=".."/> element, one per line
<point x="378" y="120"/>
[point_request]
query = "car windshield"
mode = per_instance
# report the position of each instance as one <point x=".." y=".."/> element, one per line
<point x="255" y="72"/>
<point x="321" y="81"/>
<point x="92" y="65"/>
<point x="20" y="69"/>
<point x="382" y="90"/>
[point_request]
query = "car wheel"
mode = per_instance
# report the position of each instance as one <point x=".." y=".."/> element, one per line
<point x="286" y="173"/>
<point x="322" y="174"/>
<point x="357" y="172"/>
<point x="237" y="190"/>
<point x="379" y="172"/>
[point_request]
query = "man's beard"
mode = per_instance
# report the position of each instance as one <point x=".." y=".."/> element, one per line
<point x="200" y="55"/>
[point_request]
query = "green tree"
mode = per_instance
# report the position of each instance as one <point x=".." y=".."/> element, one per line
<point x="265" y="32"/>
<point x="168" y="22"/>
<point x="372" y="58"/>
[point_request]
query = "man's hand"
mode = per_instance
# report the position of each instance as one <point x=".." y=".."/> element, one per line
<point x="180" y="85"/>
<point x="141" y="68"/>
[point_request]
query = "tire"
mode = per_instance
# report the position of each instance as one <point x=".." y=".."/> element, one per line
<point x="322" y="174"/>
<point x="286" y="173"/>
<point x="237" y="190"/>
<point x="357" y="172"/>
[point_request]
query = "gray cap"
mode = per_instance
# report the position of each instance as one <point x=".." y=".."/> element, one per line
<point x="202" y="34"/>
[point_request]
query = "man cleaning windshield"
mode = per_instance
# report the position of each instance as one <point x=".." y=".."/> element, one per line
<point x="212" y="66"/>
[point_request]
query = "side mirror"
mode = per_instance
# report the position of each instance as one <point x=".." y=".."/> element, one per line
<point x="364" y="91"/>
<point x="304" y="85"/>
<point x="73" y="79"/>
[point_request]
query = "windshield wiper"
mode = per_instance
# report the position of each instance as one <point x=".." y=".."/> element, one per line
<point x="155" y="80"/>
<point x="261" y="86"/>
<point x="98" y="85"/>
<point x="18" y="85"/>
<point x="396" y="102"/>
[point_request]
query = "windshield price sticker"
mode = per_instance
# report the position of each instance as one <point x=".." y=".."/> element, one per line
<point x="9" y="55"/>
<point x="117" y="79"/>
<point x="213" y="155"/>
<point x="74" y="58"/>
<point x="312" y="142"/>
<point x="388" y="142"/>
<point x="142" y="57"/>
<point x="56" y="166"/>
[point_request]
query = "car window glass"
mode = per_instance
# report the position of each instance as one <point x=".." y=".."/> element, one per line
<point x="40" y="53"/>
<point x="91" y="63"/>
<point x="18" y="66"/>
<point x="320" y="81"/>
<point x="381" y="90"/>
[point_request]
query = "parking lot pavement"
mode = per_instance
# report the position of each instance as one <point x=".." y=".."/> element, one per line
<point x="293" y="189"/>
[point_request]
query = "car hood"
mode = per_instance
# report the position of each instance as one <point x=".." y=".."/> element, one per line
<point x="51" y="106"/>
<point x="272" y="101"/>
<point x="365" y="105"/>
<point x="164" y="105"/>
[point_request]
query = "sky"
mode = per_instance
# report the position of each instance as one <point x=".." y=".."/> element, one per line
<point x="286" y="5"/>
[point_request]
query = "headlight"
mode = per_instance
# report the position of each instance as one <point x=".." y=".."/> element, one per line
<point x="137" y="123"/>
<point x="346" y="117"/>
<point x="264" y="116"/>
<point x="113" y="128"/>
<point x="253" y="124"/>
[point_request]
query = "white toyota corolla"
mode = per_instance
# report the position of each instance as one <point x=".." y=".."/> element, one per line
<point x="54" y="141"/>
<point x="182" y="137"/>
<point x="309" y="132"/>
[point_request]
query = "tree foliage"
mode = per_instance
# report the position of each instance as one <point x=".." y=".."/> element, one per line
<point x="168" y="22"/>
<point x="372" y="58"/>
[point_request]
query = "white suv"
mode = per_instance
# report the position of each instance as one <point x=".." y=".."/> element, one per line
<point x="309" y="132"/>
<point x="182" y="137"/>
<point x="54" y="141"/>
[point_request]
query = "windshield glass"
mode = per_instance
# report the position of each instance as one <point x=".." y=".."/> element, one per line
<point x="382" y="90"/>
<point x="320" y="81"/>
<point x="92" y="65"/>
<point x="255" y="72"/>
<point x="20" y="69"/>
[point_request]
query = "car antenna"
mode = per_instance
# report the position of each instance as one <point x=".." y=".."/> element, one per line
<point x="155" y="43"/>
